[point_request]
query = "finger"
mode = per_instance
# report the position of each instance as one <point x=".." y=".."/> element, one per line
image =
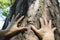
<point x="9" y="22"/>
<point x="42" y="22"/>
<point x="17" y="16"/>
<point x="12" y="18"/>
<point x="54" y="29"/>
<point x="45" y="20"/>
<point x="41" y="33"/>
<point x="22" y="28"/>
<point x="9" y="25"/>
<point x="34" y="28"/>
<point x="19" y="19"/>
<point x="50" y="24"/>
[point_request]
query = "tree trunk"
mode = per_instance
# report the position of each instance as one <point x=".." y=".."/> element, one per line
<point x="33" y="10"/>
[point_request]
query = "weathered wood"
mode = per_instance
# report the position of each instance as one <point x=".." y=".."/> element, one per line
<point x="33" y="10"/>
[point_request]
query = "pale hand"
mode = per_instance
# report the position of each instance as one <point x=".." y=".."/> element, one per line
<point x="46" y="31"/>
<point x="12" y="27"/>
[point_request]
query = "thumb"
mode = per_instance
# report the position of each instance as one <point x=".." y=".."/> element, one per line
<point x="22" y="28"/>
<point x="54" y="29"/>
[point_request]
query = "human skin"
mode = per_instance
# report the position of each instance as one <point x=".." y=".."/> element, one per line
<point x="46" y="31"/>
<point x="12" y="27"/>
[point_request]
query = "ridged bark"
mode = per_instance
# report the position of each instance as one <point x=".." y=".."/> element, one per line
<point x="33" y="10"/>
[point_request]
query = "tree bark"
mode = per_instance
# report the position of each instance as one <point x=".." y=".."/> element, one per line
<point x="33" y="10"/>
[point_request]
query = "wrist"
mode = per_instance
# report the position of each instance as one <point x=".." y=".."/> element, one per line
<point x="48" y="36"/>
<point x="7" y="32"/>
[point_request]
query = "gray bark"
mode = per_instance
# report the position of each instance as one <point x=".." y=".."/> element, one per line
<point x="33" y="10"/>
